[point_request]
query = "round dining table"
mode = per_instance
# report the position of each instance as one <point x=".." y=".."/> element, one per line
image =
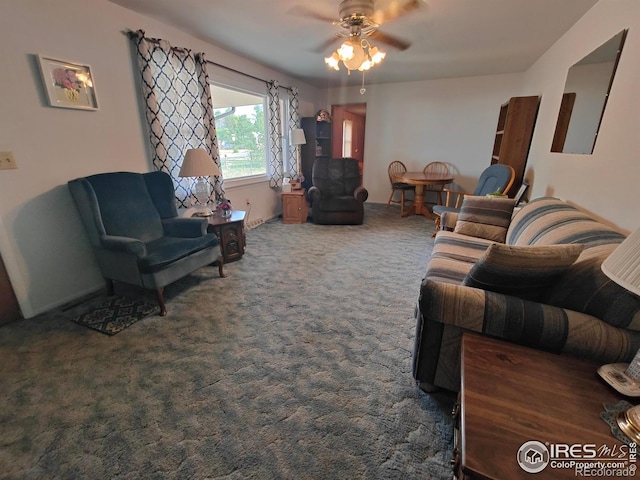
<point x="421" y="180"/>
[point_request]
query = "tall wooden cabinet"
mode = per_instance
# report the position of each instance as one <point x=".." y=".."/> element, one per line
<point x="514" y="132"/>
<point x="318" y="136"/>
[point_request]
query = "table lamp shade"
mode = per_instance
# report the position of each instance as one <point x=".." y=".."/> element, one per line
<point x="297" y="137"/>
<point x="623" y="265"/>
<point x="198" y="163"/>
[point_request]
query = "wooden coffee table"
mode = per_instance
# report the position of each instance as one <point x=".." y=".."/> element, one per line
<point x="512" y="395"/>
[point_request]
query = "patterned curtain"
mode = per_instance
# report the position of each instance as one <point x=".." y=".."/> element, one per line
<point x="210" y="143"/>
<point x="294" y="122"/>
<point x="275" y="136"/>
<point x="178" y="108"/>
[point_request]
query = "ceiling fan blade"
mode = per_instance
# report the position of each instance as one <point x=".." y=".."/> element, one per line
<point x="389" y="40"/>
<point x="324" y="46"/>
<point x="395" y="10"/>
<point x="303" y="11"/>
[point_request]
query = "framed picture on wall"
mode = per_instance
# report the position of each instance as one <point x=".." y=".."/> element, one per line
<point x="68" y="84"/>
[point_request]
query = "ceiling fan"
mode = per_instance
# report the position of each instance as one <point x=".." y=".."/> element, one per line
<point x="359" y="18"/>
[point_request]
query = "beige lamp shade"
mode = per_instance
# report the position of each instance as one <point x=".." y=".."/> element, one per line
<point x="623" y="265"/>
<point x="297" y="137"/>
<point x="198" y="163"/>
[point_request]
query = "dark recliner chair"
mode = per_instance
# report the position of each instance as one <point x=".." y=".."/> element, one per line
<point x="136" y="234"/>
<point x="337" y="196"/>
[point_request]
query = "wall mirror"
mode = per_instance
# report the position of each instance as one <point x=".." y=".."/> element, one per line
<point x="586" y="91"/>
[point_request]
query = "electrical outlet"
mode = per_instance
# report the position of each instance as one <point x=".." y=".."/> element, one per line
<point x="7" y="161"/>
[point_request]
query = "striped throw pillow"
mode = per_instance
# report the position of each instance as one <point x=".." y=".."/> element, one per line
<point x="485" y="217"/>
<point x="524" y="272"/>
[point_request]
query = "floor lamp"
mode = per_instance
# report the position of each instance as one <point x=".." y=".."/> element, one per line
<point x="297" y="139"/>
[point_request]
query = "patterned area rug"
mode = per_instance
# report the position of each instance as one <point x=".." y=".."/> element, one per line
<point x="112" y="314"/>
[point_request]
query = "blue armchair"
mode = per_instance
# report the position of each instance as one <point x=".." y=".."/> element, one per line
<point x="496" y="177"/>
<point x="133" y="226"/>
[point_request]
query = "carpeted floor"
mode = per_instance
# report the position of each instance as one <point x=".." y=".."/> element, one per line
<point x="295" y="366"/>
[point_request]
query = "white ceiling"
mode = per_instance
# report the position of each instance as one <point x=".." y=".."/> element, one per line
<point x="450" y="38"/>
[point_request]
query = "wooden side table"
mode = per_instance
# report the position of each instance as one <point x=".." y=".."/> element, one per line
<point x="230" y="232"/>
<point x="295" y="207"/>
<point x="512" y="395"/>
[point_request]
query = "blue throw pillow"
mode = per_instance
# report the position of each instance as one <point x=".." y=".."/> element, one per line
<point x="523" y="272"/>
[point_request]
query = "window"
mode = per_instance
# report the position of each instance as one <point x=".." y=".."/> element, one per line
<point x="240" y="127"/>
<point x="347" y="138"/>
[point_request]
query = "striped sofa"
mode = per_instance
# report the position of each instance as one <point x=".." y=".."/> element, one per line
<point x="582" y="312"/>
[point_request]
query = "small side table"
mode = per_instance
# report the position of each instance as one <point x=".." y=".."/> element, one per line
<point x="512" y="395"/>
<point x="295" y="207"/>
<point x="230" y="232"/>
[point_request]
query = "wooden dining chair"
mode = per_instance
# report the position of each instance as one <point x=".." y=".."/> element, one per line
<point x="435" y="168"/>
<point x="395" y="170"/>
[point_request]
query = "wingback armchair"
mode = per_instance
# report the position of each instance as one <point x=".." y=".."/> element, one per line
<point x="137" y="237"/>
<point x="337" y="196"/>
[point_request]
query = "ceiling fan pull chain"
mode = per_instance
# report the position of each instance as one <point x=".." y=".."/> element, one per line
<point x="362" y="90"/>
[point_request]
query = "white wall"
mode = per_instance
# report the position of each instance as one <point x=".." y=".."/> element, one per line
<point x="605" y="183"/>
<point x="450" y="120"/>
<point x="42" y="241"/>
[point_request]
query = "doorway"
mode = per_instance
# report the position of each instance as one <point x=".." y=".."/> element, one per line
<point x="348" y="125"/>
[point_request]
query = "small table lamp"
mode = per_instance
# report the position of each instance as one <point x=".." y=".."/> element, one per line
<point x="198" y="163"/>
<point x="297" y="139"/>
<point x="623" y="267"/>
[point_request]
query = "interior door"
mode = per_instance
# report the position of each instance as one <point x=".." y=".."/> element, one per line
<point x="348" y="130"/>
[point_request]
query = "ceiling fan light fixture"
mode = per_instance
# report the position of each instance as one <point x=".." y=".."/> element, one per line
<point x="357" y="58"/>
<point x="355" y="54"/>
<point x="376" y="55"/>
<point x="333" y="61"/>
<point x="346" y="51"/>
<point x="360" y="20"/>
<point x="366" y="65"/>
